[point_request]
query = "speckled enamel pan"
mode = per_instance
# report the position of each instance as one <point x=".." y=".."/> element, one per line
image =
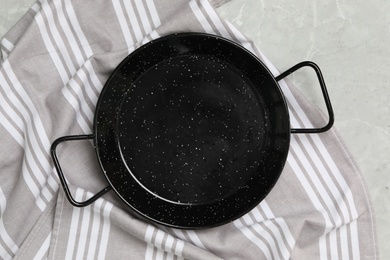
<point x="191" y="131"/>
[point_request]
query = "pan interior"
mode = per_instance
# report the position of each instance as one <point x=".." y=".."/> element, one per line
<point x="192" y="129"/>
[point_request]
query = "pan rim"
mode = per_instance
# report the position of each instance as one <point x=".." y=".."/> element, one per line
<point x="97" y="135"/>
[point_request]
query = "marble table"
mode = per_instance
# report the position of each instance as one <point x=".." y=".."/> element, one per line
<point x="350" y="41"/>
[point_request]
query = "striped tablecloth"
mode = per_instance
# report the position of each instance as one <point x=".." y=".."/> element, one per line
<point x="54" y="63"/>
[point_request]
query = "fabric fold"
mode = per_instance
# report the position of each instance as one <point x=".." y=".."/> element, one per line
<point x="54" y="65"/>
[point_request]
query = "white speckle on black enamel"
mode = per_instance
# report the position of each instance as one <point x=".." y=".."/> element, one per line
<point x="189" y="136"/>
<point x="191" y="131"/>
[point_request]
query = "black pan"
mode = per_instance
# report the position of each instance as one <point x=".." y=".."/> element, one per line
<point x="191" y="131"/>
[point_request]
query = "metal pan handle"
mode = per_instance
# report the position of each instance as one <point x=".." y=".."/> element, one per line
<point x="62" y="177"/>
<point x="324" y="93"/>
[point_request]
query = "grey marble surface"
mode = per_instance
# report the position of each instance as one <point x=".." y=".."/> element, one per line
<point x="350" y="41"/>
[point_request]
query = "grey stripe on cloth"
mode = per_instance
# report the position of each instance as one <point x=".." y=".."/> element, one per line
<point x="54" y="65"/>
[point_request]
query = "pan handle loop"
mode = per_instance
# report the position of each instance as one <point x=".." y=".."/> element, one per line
<point x="324" y="93"/>
<point x="62" y="177"/>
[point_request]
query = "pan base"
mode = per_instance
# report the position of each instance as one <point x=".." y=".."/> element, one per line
<point x="192" y="130"/>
